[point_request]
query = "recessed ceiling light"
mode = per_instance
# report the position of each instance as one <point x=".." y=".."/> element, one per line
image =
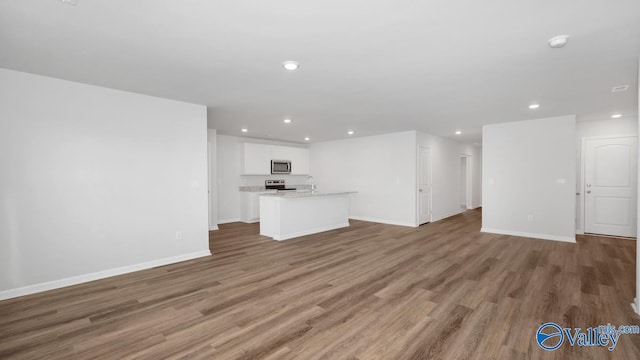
<point x="534" y="106"/>
<point x="244" y="130"/>
<point x="291" y="65"/>
<point x="70" y="2"/>
<point x="558" y="41"/>
<point x="350" y="132"/>
<point x="287" y="121"/>
<point x="306" y="139"/>
<point x="458" y="132"/>
<point x="615" y="116"/>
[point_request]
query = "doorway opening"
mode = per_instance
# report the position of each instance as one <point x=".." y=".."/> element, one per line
<point x="465" y="182"/>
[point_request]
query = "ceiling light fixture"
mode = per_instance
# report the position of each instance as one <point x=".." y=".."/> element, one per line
<point x="287" y="121"/>
<point x="616" y="116"/>
<point x="534" y="106"/>
<point x="558" y="41"/>
<point x="307" y="139"/>
<point x="350" y="132"/>
<point x="70" y="2"/>
<point x="244" y="130"/>
<point x="291" y="65"/>
<point x="458" y="132"/>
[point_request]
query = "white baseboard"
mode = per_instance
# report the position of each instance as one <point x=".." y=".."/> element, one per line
<point x="226" y="221"/>
<point x="56" y="284"/>
<point x="636" y="306"/>
<point x="383" y="221"/>
<point x="309" y="232"/>
<point x="213" y="228"/>
<point x="529" y="235"/>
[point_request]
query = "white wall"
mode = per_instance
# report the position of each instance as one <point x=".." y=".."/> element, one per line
<point x="637" y="299"/>
<point x="230" y="178"/>
<point x="607" y="127"/>
<point x="445" y="165"/>
<point x="95" y="182"/>
<point x="627" y="126"/>
<point x="229" y="170"/>
<point x="212" y="178"/>
<point x="529" y="178"/>
<point x="382" y="169"/>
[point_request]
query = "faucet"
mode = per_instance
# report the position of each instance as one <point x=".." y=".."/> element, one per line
<point x="310" y="180"/>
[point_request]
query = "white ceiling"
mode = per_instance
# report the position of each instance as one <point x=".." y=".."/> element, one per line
<point x="372" y="66"/>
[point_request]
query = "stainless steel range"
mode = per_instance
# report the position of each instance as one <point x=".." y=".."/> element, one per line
<point x="277" y="185"/>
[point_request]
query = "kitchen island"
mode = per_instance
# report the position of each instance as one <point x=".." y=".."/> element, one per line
<point x="291" y="214"/>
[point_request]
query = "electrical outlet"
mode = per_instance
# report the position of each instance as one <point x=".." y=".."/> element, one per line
<point x="178" y="235"/>
<point x="530" y="218"/>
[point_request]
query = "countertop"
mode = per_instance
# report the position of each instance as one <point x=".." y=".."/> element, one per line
<point x="262" y="188"/>
<point x="305" y="194"/>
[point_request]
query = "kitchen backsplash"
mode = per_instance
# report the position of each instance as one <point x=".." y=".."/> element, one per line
<point x="256" y="183"/>
<point x="290" y="180"/>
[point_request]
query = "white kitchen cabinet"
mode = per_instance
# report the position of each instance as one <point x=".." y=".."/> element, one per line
<point x="286" y="216"/>
<point x="281" y="152"/>
<point x="299" y="158"/>
<point x="250" y="207"/>
<point x="300" y="161"/>
<point x="256" y="159"/>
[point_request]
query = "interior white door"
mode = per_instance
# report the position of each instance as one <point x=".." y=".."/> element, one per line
<point x="424" y="186"/>
<point x="610" y="191"/>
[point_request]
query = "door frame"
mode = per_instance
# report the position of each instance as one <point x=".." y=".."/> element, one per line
<point x="418" y="175"/>
<point x="580" y="198"/>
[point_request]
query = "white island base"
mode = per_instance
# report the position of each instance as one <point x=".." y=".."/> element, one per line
<point x="289" y="215"/>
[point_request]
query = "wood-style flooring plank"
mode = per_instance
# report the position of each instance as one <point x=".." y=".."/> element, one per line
<point x="370" y="291"/>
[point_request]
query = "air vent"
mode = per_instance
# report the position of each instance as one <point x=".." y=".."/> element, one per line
<point x="619" y="88"/>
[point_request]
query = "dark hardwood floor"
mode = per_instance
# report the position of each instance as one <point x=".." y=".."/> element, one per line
<point x="370" y="291"/>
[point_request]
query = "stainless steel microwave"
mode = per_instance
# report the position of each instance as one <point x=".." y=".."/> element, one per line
<point x="280" y="167"/>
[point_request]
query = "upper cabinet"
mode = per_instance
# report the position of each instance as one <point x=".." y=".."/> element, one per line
<point x="257" y="158"/>
<point x="299" y="161"/>
<point x="281" y="152"/>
